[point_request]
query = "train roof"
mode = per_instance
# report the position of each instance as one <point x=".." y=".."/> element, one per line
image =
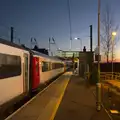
<point x="9" y="43"/>
<point x="45" y="56"/>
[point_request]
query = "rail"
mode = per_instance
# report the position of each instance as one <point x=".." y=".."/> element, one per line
<point x="106" y="75"/>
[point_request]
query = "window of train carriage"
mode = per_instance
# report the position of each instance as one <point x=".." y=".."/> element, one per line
<point x="57" y="65"/>
<point x="61" y="65"/>
<point x="45" y="66"/>
<point x="53" y="65"/>
<point x="10" y="65"/>
<point x="49" y="65"/>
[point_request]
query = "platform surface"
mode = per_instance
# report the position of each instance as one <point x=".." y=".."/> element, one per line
<point x="44" y="105"/>
<point x="67" y="98"/>
<point x="79" y="103"/>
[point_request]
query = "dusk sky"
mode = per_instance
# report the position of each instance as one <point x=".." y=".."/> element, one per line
<point x="49" y="18"/>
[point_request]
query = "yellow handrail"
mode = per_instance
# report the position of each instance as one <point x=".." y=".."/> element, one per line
<point x="106" y="75"/>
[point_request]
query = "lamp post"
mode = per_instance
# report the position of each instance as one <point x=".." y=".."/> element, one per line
<point x="80" y="42"/>
<point x="98" y="85"/>
<point x="113" y="37"/>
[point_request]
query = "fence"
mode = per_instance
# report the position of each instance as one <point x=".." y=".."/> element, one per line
<point x="106" y="75"/>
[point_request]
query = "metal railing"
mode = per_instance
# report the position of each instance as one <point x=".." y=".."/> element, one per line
<point x="106" y="75"/>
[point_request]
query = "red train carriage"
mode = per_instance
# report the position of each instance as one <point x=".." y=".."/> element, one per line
<point x="36" y="72"/>
<point x="45" y="68"/>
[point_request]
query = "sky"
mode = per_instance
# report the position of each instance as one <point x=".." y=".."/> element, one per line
<point x="49" y="18"/>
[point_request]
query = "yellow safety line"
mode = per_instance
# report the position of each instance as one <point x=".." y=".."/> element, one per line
<point x="59" y="101"/>
<point x="10" y="116"/>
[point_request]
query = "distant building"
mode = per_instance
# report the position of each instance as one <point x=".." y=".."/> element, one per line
<point x="41" y="50"/>
<point x="68" y="54"/>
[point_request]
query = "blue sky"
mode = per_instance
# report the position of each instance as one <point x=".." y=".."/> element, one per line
<point x="46" y="18"/>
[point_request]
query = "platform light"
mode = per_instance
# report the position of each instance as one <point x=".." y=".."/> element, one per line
<point x="113" y="38"/>
<point x="114" y="33"/>
<point x="76" y="38"/>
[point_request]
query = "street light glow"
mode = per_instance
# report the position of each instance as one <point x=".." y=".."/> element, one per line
<point x="77" y="38"/>
<point x="114" y="33"/>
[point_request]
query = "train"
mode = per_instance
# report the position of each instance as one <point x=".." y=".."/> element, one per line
<point x="23" y="71"/>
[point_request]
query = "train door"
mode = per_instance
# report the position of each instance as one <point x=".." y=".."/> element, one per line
<point x="26" y="73"/>
<point x="36" y="73"/>
<point x="37" y="70"/>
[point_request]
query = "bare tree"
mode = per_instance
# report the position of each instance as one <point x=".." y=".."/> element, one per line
<point x="108" y="26"/>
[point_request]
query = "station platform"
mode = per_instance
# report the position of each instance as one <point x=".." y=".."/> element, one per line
<point x="67" y="98"/>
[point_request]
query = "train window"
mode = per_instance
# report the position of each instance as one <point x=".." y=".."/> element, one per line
<point x="50" y="66"/>
<point x="45" y="66"/>
<point x="57" y="65"/>
<point x="53" y="65"/>
<point x="10" y="66"/>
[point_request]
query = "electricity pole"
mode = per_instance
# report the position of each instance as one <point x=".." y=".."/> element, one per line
<point x="91" y="54"/>
<point x="49" y="44"/>
<point x="12" y="31"/>
<point x="91" y="38"/>
<point x="98" y="85"/>
<point x="19" y="41"/>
